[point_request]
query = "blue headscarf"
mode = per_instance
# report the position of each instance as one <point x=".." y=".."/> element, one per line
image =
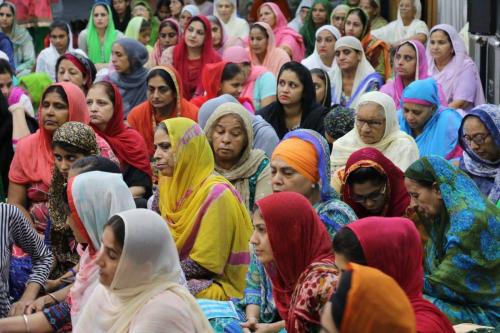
<point x="440" y="134"/>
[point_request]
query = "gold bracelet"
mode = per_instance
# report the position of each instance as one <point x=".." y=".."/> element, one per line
<point x="53" y="297"/>
<point x="26" y="323"/>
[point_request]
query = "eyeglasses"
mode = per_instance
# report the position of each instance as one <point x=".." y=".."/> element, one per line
<point x="370" y="123"/>
<point x="478" y="139"/>
<point x="374" y="196"/>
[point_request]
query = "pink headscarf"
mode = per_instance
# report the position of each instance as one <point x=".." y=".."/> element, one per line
<point x="284" y="34"/>
<point x="275" y="57"/>
<point x="158" y="50"/>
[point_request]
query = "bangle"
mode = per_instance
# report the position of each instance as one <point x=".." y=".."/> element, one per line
<point x="53" y="297"/>
<point x="26" y="323"/>
<point x="72" y="270"/>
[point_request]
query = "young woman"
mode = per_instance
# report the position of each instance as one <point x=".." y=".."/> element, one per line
<point x="372" y="8"/>
<point x="175" y="7"/>
<point x="220" y="38"/>
<point x="226" y="11"/>
<point x="61" y="42"/>
<point x="459" y="220"/>
<point x="453" y="69"/>
<point x="77" y="69"/>
<point x="143" y="8"/>
<point x="128" y="58"/>
<point x="142" y="260"/>
<point x="318" y="16"/>
<point x="16" y="97"/>
<point x="169" y="35"/>
<point x="230" y="134"/>
<point x="187" y="13"/>
<point x="140" y="29"/>
<point x="164" y="101"/>
<point x="323" y="56"/>
<point x="296" y="105"/>
<point x="163" y="10"/>
<point x="337" y="17"/>
<point x="354" y="76"/>
<point x="98" y="38"/>
<point x="24" y="50"/>
<point x="322" y="86"/>
<point x="121" y="14"/>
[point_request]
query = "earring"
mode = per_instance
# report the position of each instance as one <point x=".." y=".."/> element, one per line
<point x="313" y="186"/>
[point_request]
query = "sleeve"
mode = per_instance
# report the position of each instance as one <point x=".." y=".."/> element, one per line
<point x="28" y="57"/>
<point x="26" y="102"/>
<point x="6" y="47"/>
<point x="253" y="286"/>
<point x="421" y="28"/>
<point x="82" y="41"/>
<point x="266" y="85"/>
<point x="465" y="87"/>
<point x="383" y="33"/>
<point x="263" y="188"/>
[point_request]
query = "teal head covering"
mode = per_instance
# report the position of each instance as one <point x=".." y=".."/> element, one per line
<point x="308" y="30"/>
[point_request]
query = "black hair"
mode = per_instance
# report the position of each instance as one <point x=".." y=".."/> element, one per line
<point x="163" y="3"/>
<point x="5" y="67"/>
<point x="230" y="71"/>
<point x="164" y="75"/>
<point x="424" y="183"/>
<point x="70" y="148"/>
<point x="261" y="28"/>
<point x="346" y="243"/>
<point x="96" y="163"/>
<point x="447" y="37"/>
<point x="61" y="25"/>
<point x="117" y="225"/>
<point x="86" y="63"/>
<point x="170" y="24"/>
<point x="55" y="89"/>
<point x="145" y="25"/>
<point x="339" y="298"/>
<point x="103" y="5"/>
<point x="365" y="174"/>
<point x="327" y="100"/>
<point x="308" y="93"/>
<point x="363" y="16"/>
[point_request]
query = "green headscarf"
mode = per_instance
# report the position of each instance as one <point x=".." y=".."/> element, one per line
<point x="155" y="23"/>
<point x="308" y="30"/>
<point x="93" y="44"/>
<point x="35" y="84"/>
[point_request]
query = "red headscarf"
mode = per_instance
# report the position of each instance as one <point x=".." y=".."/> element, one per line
<point x="400" y="256"/>
<point x="298" y="239"/>
<point x="208" y="55"/>
<point x="127" y="143"/>
<point x="399" y="199"/>
<point x="33" y="160"/>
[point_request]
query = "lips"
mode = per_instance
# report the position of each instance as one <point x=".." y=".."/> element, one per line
<point x="283" y="97"/>
<point x="50" y="123"/>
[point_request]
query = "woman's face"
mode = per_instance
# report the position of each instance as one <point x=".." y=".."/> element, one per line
<point x="290" y="88"/>
<point x="216" y="35"/>
<point x="266" y="15"/>
<point x="6" y="17"/>
<point x="370" y="123"/>
<point x="366" y="5"/>
<point x="119" y="58"/>
<point x="407" y="9"/>
<point x="319" y="15"/>
<point x="233" y="87"/>
<point x="164" y="12"/>
<point x="258" y="42"/>
<point x="325" y="44"/>
<point x="100" y="17"/>
<point x="144" y="36"/>
<point x="347" y="59"/>
<point x="370" y="195"/>
<point x="120" y="6"/>
<point x="55" y="112"/>
<point x="229" y="138"/>
<point x="64" y="159"/>
<point x="6" y="84"/>
<point x="353" y="26"/>
<point x="195" y="35"/>
<point x="260" y="239"/>
<point x="338" y="20"/>
<point x="184" y="19"/>
<point x="320" y="87"/>
<point x="109" y="257"/>
<point x="417" y="115"/>
<point x="175" y="7"/>
<point x="68" y="72"/>
<point x="140" y="10"/>
<point x="59" y="39"/>
<point x="168" y="37"/>
<point x="225" y="10"/>
<point x="441" y="47"/>
<point x="405" y="62"/>
<point x="480" y="140"/>
<point x="284" y="178"/>
<point x="164" y="156"/>
<point x="160" y="95"/>
<point x="426" y="201"/>
<point x="101" y="108"/>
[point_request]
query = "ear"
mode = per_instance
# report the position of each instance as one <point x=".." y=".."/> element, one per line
<point x="436" y="190"/>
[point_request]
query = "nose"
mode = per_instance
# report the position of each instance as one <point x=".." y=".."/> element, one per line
<point x="157" y="154"/>
<point x="226" y="138"/>
<point x="254" y="239"/>
<point x="5" y="91"/>
<point x="365" y="127"/>
<point x="155" y="93"/>
<point x="65" y="77"/>
<point x="92" y="107"/>
<point x="65" y="165"/>
<point x="276" y="179"/>
<point x="99" y="260"/>
<point x="473" y="145"/>
<point x="413" y="203"/>
<point x="239" y="90"/>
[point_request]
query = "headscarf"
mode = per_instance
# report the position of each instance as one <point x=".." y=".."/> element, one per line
<point x="148" y="267"/>
<point x="143" y="117"/>
<point x="192" y="201"/>
<point x="339" y="121"/>
<point x="236" y="27"/>
<point x="19" y="37"/>
<point x="489" y="114"/>
<point x="192" y="9"/>
<point x="308" y="30"/>
<point x="365" y="74"/>
<point x="284" y="35"/>
<point x="373" y="303"/>
<point x="157" y="48"/>
<point x="155" y="22"/>
<point x="461" y="256"/>
<point x="400" y="256"/>
<point x="83" y="64"/>
<point x="314" y="60"/>
<point x="133" y="84"/>
<point x="449" y="77"/>
<point x="297" y="23"/>
<point x="127" y="143"/>
<point x="275" y="57"/>
<point x="181" y="61"/>
<point x="283" y="4"/>
<point x="301" y="156"/>
<point x="290" y="216"/>
<point x="250" y="160"/>
<point x="33" y="160"/>
<point x="100" y="53"/>
<point x="440" y="132"/>
<point x="396" y="145"/>
<point x="397" y="196"/>
<point x="327" y="99"/>
<point x="134" y="27"/>
<point x="35" y="84"/>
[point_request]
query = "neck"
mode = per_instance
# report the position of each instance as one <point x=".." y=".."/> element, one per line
<point x="315" y="196"/>
<point x="8" y="30"/>
<point x="327" y="60"/>
<point x="164" y="111"/>
<point x="225" y="165"/>
<point x="261" y="57"/>
<point x="292" y="111"/>
<point x="194" y="53"/>
<point x="101" y="127"/>
<point x="406" y="21"/>
<point x="406" y="81"/>
<point x="101" y="32"/>
<point x="416" y="132"/>
<point x="349" y="73"/>
<point x="440" y="64"/>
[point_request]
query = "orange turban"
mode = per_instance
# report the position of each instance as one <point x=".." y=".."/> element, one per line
<point x="301" y="156"/>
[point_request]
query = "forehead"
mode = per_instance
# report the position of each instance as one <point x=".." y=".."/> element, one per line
<point x="406" y="49"/>
<point x="325" y="33"/>
<point x="6" y="10"/>
<point x="230" y="121"/>
<point x="289" y="75"/>
<point x="65" y="63"/>
<point x="415" y="107"/>
<point x="278" y="163"/>
<point x="58" y="31"/>
<point x="5" y="78"/>
<point x="370" y="111"/>
<point x="100" y="10"/>
<point x="118" y="48"/>
<point x="197" y="25"/>
<point x="161" y="136"/>
<point x="474" y="124"/>
<point x="354" y="16"/>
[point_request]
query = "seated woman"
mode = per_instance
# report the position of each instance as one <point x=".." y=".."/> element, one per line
<point x="453" y="69"/>
<point x="337" y="17"/>
<point x="230" y="134"/>
<point x="75" y="68"/>
<point x="121" y="13"/>
<point x="292" y="243"/>
<point x="143" y="8"/>
<point x="479" y="137"/>
<point x="220" y="37"/>
<point x="61" y="42"/>
<point x="462" y="226"/>
<point x="300" y="15"/>
<point x="286" y="38"/>
<point x="338" y="122"/>
<point x="392" y="245"/>
<point x="322" y="87"/>
<point x="128" y="58"/>
<point x="187" y="13"/>
<point x="372" y="8"/>
<point x="317" y="17"/>
<point x="369" y="301"/>
<point x="106" y="118"/>
<point x="354" y="75"/>
<point x="260" y="83"/>
<point x="139" y="29"/>
<point x="15" y="97"/>
<point x="323" y="56"/>
<point x="226" y="11"/>
<point x="141" y="256"/>
<point x="210" y="225"/>
<point x="296" y="105"/>
<point x="168" y="35"/>
<point x="357" y="24"/>
<point x="373" y="186"/>
<point x="175" y="7"/>
<point x="164" y="101"/>
<point x="263" y="49"/>
<point x="434" y="127"/>
<point x="377" y="127"/>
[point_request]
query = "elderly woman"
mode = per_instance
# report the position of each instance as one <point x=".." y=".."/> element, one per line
<point x="225" y="10"/>
<point x="479" y="137"/>
<point x="372" y="8"/>
<point x="377" y="127"/>
<point x="75" y="68"/>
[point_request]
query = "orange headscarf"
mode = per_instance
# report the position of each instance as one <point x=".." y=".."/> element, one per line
<point x="300" y="155"/>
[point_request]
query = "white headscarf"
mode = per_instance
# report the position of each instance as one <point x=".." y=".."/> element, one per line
<point x="236" y="27"/>
<point x="314" y="60"/>
<point x="297" y="22"/>
<point x="149" y="265"/>
<point x="396" y="145"/>
<point x="192" y="9"/>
